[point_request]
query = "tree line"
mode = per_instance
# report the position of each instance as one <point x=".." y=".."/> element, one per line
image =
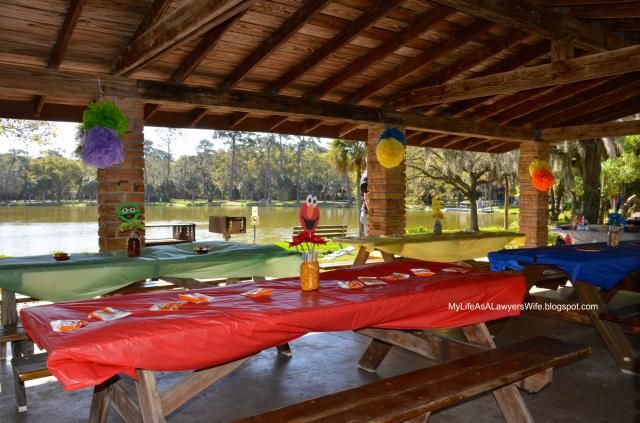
<point x="271" y="167"/>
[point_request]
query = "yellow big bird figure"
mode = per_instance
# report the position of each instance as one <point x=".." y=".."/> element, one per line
<point x="436" y="207"/>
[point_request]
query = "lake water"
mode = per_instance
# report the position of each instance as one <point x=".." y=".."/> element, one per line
<point x="42" y="229"/>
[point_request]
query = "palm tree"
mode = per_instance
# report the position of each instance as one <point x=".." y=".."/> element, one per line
<point x="350" y="156"/>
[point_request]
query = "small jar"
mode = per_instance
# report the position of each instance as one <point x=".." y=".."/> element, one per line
<point x="133" y="244"/>
<point x="309" y="272"/>
<point x="613" y="237"/>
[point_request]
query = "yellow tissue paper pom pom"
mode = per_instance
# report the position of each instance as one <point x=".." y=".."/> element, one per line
<point x="538" y="164"/>
<point x="389" y="152"/>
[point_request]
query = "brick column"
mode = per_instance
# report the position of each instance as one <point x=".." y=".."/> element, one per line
<point x="124" y="182"/>
<point x="387" y="191"/>
<point x="534" y="204"/>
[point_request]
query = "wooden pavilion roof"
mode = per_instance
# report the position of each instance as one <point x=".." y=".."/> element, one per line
<point x="481" y="75"/>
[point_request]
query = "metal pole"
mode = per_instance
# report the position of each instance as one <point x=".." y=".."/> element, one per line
<point x="254" y="234"/>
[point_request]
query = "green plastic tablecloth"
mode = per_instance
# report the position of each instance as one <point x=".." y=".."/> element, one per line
<point x="89" y="275"/>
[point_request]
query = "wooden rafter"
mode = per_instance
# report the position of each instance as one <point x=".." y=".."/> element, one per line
<point x="413" y="65"/>
<point x="197" y="55"/>
<point x="594" y="106"/>
<point x="346" y="129"/>
<point x="197" y="115"/>
<point x="153" y="15"/>
<point x="342" y="38"/>
<point x="287" y="30"/>
<point x="575" y="102"/>
<point x="525" y="16"/>
<point x="150" y="110"/>
<point x="609" y="129"/>
<point x="420" y="26"/>
<point x="190" y="20"/>
<point x="64" y="35"/>
<point x="474" y="59"/>
<point x="38" y="104"/>
<point x="237" y="118"/>
<point x="311" y="125"/>
<point x="276" y="121"/>
<point x="524" y="57"/>
<point x="598" y="65"/>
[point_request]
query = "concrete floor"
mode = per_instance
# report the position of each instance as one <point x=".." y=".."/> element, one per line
<point x="592" y="390"/>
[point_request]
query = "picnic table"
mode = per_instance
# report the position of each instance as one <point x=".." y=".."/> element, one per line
<point x="597" y="273"/>
<point x="218" y="337"/>
<point x="445" y="248"/>
<point x="88" y="275"/>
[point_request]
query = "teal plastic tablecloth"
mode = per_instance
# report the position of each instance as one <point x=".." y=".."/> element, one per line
<point x="88" y="275"/>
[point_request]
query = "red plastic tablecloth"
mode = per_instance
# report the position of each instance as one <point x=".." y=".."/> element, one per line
<point x="234" y="326"/>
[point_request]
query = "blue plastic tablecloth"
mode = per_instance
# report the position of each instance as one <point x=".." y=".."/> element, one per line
<point x="603" y="267"/>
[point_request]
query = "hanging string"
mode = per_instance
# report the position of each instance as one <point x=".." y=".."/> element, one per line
<point x="100" y="93"/>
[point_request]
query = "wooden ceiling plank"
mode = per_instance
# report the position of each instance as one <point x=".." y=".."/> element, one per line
<point x="342" y="38"/>
<point x="598" y="65"/>
<point x="413" y="65"/>
<point x="192" y="19"/>
<point x="69" y="24"/>
<point x="287" y="30"/>
<point x="525" y="16"/>
<point x="419" y="27"/>
<point x="197" y="115"/>
<point x="201" y="50"/>
<point x="153" y="15"/>
<point x="609" y="129"/>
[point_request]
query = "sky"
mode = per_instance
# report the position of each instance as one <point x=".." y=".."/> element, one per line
<point x="65" y="141"/>
<point x="66" y="144"/>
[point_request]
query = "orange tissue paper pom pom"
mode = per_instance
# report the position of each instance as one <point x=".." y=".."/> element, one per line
<point x="542" y="179"/>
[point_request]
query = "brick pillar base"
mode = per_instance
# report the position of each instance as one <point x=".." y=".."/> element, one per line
<point x="386" y="192"/>
<point x="124" y="182"/>
<point x="534" y="204"/>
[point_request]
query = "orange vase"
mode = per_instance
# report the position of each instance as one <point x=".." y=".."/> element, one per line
<point x="309" y="273"/>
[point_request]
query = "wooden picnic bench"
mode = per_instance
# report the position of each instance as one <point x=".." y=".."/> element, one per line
<point x="325" y="231"/>
<point x="413" y="396"/>
<point x="181" y="234"/>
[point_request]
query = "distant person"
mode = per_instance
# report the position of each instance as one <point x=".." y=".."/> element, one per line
<point x="364" y="210"/>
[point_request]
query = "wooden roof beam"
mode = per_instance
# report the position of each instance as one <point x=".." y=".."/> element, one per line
<point x="38" y="104"/>
<point x="525" y="16"/>
<point x="287" y="30"/>
<point x="472" y="60"/>
<point x="153" y="15"/>
<point x="197" y="115"/>
<point x="347" y="128"/>
<point x="419" y="26"/>
<point x="36" y="81"/>
<point x="415" y="64"/>
<point x="237" y="118"/>
<point x="192" y="19"/>
<point x="197" y="55"/>
<point x="342" y="38"/>
<point x="522" y="58"/>
<point x="583" y="68"/>
<point x="276" y="122"/>
<point x="64" y="35"/>
<point x="608" y="129"/>
<point x="311" y="125"/>
<point x="150" y="110"/>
